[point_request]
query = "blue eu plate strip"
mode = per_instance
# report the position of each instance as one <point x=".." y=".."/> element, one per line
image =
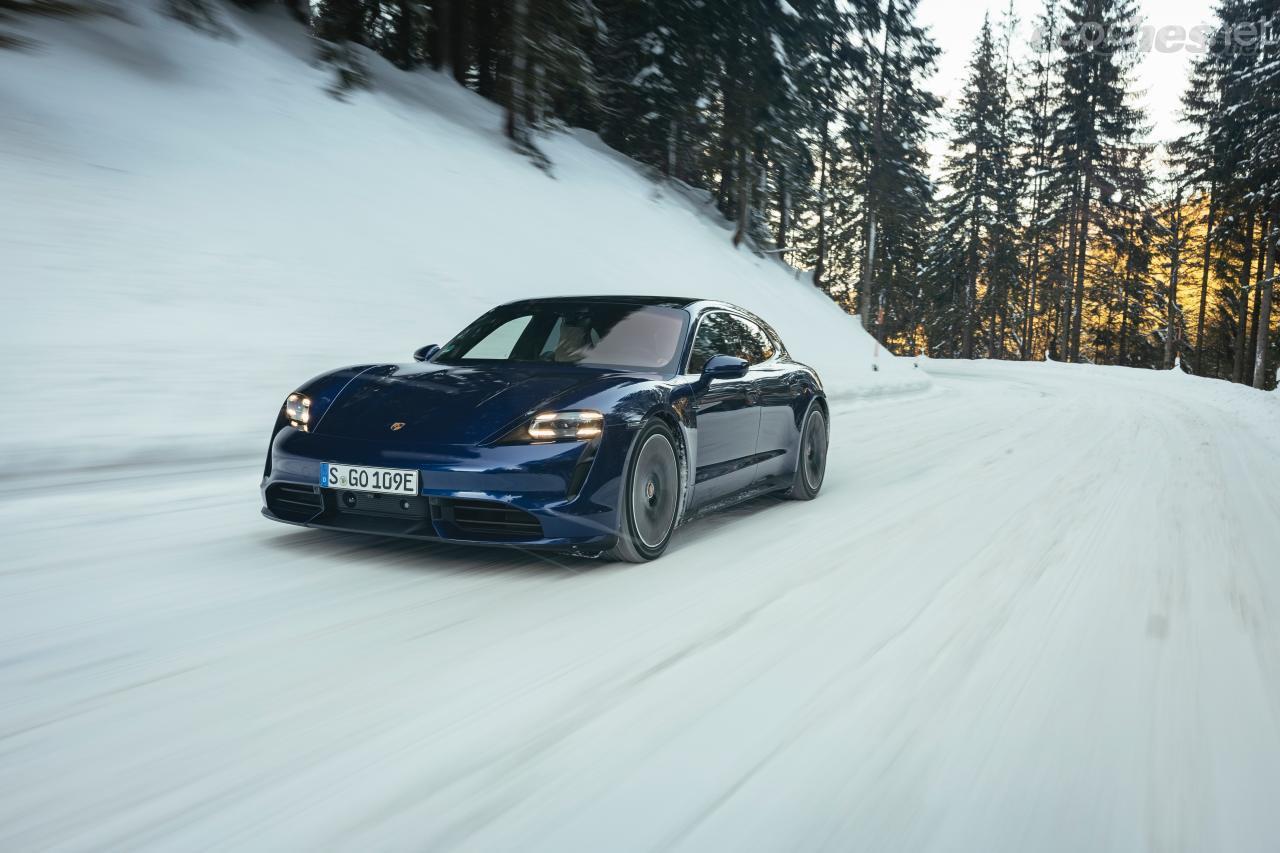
<point x="324" y="473"/>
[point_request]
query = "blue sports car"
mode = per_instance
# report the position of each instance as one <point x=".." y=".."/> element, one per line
<point x="590" y="425"/>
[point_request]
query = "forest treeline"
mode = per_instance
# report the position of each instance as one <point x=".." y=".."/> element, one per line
<point x="1057" y="227"/>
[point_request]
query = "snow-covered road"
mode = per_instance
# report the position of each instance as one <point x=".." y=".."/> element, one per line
<point x="1036" y="608"/>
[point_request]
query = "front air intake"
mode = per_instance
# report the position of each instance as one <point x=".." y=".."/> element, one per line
<point x="294" y="502"/>
<point x="487" y="520"/>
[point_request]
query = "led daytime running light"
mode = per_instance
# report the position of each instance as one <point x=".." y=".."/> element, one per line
<point x="552" y="426"/>
<point x="298" y="410"/>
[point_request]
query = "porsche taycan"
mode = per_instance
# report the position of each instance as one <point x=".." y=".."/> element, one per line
<point x="594" y="426"/>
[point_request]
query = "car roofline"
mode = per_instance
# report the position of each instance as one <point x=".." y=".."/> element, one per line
<point x="694" y="305"/>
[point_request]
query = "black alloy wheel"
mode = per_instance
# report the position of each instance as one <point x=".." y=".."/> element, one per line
<point x="651" y="496"/>
<point x="812" y="466"/>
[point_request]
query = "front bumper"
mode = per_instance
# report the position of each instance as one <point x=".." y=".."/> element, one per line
<point x="554" y="496"/>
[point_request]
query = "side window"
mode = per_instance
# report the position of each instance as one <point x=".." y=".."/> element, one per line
<point x="764" y="347"/>
<point x="499" y="343"/>
<point x="726" y="334"/>
<point x="709" y="342"/>
<point x="775" y="340"/>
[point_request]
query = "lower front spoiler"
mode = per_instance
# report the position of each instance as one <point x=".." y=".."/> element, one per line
<point x="424" y="530"/>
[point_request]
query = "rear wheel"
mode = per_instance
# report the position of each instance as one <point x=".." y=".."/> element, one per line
<point x="812" y="466"/>
<point x="650" y="496"/>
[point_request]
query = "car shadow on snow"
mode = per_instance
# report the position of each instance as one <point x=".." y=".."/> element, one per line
<point x="371" y="551"/>
<point x="726" y="522"/>
<point x="387" y="552"/>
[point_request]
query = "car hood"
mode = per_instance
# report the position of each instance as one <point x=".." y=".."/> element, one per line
<point x="447" y="404"/>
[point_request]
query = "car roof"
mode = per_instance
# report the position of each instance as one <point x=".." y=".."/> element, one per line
<point x="693" y="304"/>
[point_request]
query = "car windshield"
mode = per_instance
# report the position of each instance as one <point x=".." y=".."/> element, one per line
<point x="596" y="334"/>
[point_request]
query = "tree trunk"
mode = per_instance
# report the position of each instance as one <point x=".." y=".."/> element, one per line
<point x="1069" y="274"/>
<point x="1264" y="306"/>
<point x="1242" y="312"/>
<point x="1170" y="348"/>
<point x="995" y="344"/>
<point x="517" y="98"/>
<point x="673" y="140"/>
<point x="485" y="40"/>
<point x="820" y="261"/>
<point x="460" y="40"/>
<point x="1257" y="300"/>
<point x="1122" y="357"/>
<point x="784" y="212"/>
<point x="535" y="95"/>
<point x="1122" y="354"/>
<point x="1204" y="276"/>
<point x="728" y="152"/>
<point x="502" y="51"/>
<point x="1077" y="317"/>
<point x="1029" y="308"/>
<point x="761" y="165"/>
<point x="402" y="46"/>
<point x="300" y="9"/>
<point x="877" y="137"/>
<point x="1108" y="337"/>
<point x="1027" y="348"/>
<point x="1130" y="275"/>
<point x="441" y="38"/>
<point x="971" y="281"/>
<point x="744" y="194"/>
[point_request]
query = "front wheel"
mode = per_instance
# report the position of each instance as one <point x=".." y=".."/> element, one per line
<point x="812" y="466"/>
<point x="650" y="496"/>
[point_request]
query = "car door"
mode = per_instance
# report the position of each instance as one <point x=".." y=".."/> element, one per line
<point x="727" y="417"/>
<point x="772" y="380"/>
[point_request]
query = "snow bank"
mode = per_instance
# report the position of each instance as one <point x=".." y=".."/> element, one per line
<point x="192" y="226"/>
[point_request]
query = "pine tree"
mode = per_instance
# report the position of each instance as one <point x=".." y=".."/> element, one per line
<point x="339" y="24"/>
<point x="1210" y="157"/>
<point x="976" y="237"/>
<point x="1094" y="125"/>
<point x="899" y="193"/>
<point x="836" y="70"/>
<point x="550" y="66"/>
<point x="200" y="14"/>
<point x="1002" y="265"/>
<point x="1036" y="111"/>
<point x="300" y="9"/>
<point x="1171" y="243"/>
<point x="657" y="81"/>
<point x="1261" y="79"/>
<point x="1232" y="104"/>
<point x="1131" y="241"/>
<point x="12" y="10"/>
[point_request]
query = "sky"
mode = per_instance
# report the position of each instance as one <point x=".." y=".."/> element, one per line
<point x="1161" y="76"/>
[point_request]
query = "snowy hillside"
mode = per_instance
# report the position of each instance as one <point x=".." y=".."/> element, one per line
<point x="192" y="226"/>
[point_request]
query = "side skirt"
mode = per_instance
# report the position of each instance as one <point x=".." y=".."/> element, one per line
<point x="754" y="491"/>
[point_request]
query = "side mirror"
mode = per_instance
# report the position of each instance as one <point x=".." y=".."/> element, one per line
<point x="722" y="367"/>
<point x="425" y="353"/>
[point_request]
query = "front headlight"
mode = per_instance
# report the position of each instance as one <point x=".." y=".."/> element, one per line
<point x="298" y="410"/>
<point x="565" y="426"/>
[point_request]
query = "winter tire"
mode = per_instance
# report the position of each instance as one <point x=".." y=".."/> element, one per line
<point x="650" y="497"/>
<point x="811" y="467"/>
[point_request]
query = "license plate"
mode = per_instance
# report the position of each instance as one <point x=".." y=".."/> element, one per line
<point x="391" y="481"/>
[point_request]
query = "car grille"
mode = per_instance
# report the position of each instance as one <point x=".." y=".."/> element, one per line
<point x="487" y="519"/>
<point x="293" y="502"/>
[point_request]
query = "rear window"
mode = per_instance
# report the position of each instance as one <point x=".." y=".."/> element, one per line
<point x="595" y="334"/>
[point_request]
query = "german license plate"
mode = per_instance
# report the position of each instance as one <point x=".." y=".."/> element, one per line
<point x="391" y="481"/>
